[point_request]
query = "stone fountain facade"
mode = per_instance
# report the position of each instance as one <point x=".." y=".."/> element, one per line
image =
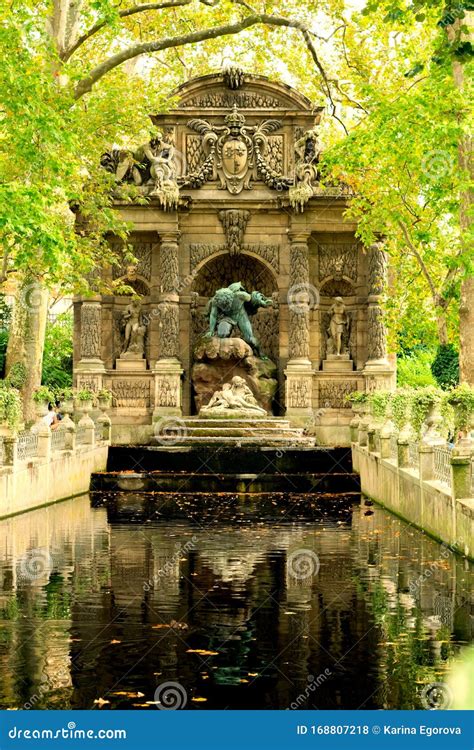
<point x="234" y="195"/>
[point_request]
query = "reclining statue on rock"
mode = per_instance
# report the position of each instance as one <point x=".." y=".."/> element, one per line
<point x="231" y="307"/>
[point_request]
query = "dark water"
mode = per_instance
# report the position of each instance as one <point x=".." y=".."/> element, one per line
<point x="350" y="608"/>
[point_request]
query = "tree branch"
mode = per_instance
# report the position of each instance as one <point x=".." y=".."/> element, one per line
<point x="86" y="84"/>
<point x="66" y="54"/>
<point x="434" y="292"/>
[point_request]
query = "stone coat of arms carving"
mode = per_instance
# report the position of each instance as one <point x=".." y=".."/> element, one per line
<point x="235" y="153"/>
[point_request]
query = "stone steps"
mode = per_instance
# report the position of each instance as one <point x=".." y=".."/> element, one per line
<point x="270" y="432"/>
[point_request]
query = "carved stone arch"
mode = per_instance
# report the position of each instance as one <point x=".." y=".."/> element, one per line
<point x="139" y="284"/>
<point x="331" y="287"/>
<point x="222" y="269"/>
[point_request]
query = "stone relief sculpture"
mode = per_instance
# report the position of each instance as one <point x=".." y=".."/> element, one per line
<point x="307" y="154"/>
<point x="150" y="166"/>
<point x="235" y="395"/>
<point x="230" y="308"/>
<point x="234" y="222"/>
<point x="134" y="331"/>
<point x="236" y="153"/>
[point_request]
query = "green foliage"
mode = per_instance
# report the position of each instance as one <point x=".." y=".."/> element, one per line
<point x="462" y="399"/>
<point x="445" y="367"/>
<point x="85" y="395"/>
<point x="43" y="394"/>
<point x="105" y="394"/>
<point x="422" y="401"/>
<point x="11" y="405"/>
<point x="379" y="400"/>
<point x="5" y="318"/>
<point x="357" y="397"/>
<point x="401" y="404"/>
<point x="57" y="357"/>
<point x="415" y="370"/>
<point x="17" y="375"/>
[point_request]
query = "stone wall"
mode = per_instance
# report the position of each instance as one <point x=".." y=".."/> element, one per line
<point x="37" y="482"/>
<point x="427" y="504"/>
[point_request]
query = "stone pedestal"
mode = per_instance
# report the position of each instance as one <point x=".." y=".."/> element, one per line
<point x="167" y="374"/>
<point x="299" y="389"/>
<point x="130" y="361"/>
<point x="338" y="363"/>
<point x="217" y="361"/>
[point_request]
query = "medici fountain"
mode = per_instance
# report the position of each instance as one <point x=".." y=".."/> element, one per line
<point x="225" y="553"/>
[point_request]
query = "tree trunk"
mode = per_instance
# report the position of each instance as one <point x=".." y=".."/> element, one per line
<point x="466" y="310"/>
<point x="441" y="324"/>
<point x="26" y="340"/>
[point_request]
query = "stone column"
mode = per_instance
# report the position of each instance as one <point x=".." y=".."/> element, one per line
<point x="168" y="371"/>
<point x="378" y="371"/>
<point x="90" y="369"/>
<point x="299" y="371"/>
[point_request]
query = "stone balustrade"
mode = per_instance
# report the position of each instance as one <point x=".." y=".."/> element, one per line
<point x="428" y="482"/>
<point x="41" y="465"/>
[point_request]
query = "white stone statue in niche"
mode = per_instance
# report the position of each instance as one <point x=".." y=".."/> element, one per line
<point x="134" y="331"/>
<point x="338" y="331"/>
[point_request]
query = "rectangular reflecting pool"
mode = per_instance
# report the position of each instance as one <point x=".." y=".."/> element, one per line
<point x="146" y="601"/>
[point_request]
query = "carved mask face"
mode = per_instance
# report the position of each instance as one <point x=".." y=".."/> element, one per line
<point x="234" y="157"/>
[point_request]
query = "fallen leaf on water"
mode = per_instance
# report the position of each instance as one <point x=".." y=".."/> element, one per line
<point x="101" y="702"/>
<point x="243" y="680"/>
<point x="115" y="641"/>
<point x="141" y="705"/>
<point x="129" y="694"/>
<point x="202" y="652"/>
<point x="198" y="699"/>
<point x="173" y="624"/>
<point x="252" y="674"/>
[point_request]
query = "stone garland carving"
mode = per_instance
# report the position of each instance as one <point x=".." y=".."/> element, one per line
<point x="168" y="337"/>
<point x="377" y="335"/>
<point x="299" y="318"/>
<point x="299" y="396"/>
<point x="166" y="392"/>
<point x="378" y="265"/>
<point x="169" y="267"/>
<point x="234" y="222"/>
<point x="275" y="153"/>
<point x="226" y="100"/>
<point x="332" y="393"/>
<point x="338" y="261"/>
<point x="194" y="153"/>
<point x="267" y="328"/>
<point x="131" y="392"/>
<point x="237" y="152"/>
<point x="269" y="253"/>
<point x="376" y="340"/>
<point x="91" y="328"/>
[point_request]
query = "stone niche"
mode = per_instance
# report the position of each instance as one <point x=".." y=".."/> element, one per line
<point x="233" y="195"/>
